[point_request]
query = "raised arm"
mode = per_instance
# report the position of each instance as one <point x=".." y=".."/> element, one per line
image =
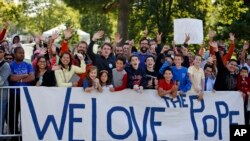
<point x="187" y="38"/>
<point x="2" y="34"/>
<point x="68" y="33"/>
<point x="211" y="35"/>
<point x="185" y="57"/>
<point x="131" y="44"/>
<point x="220" y="65"/>
<point x="52" y="49"/>
<point x="231" y="48"/>
<point x="145" y="33"/>
<point x="243" y="53"/>
<point x="90" y="52"/>
<point x="159" y="46"/>
<point x="201" y="50"/>
<point x="117" y="41"/>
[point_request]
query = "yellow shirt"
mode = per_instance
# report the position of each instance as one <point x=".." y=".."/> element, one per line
<point x="64" y="75"/>
<point x="197" y="75"/>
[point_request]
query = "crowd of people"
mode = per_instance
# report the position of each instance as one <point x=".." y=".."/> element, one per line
<point x="171" y="70"/>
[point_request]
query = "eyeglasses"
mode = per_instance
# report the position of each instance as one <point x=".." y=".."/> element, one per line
<point x="8" y="58"/>
<point x="41" y="61"/>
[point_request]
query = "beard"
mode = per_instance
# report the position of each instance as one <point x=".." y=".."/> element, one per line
<point x="81" y="52"/>
<point x="143" y="49"/>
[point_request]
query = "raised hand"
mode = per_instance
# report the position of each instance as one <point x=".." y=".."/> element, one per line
<point x="118" y="38"/>
<point x="165" y="48"/>
<point x="158" y="37"/>
<point x="43" y="51"/>
<point x="173" y="44"/>
<point x="80" y="56"/>
<point x="187" y="38"/>
<point x="55" y="35"/>
<point x="246" y="45"/>
<point x="145" y="32"/>
<point x="231" y="37"/>
<point x="98" y="35"/>
<point x="68" y="33"/>
<point x="131" y="43"/>
<point x="7" y="23"/>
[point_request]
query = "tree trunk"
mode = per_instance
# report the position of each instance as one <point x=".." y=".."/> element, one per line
<point x="123" y="18"/>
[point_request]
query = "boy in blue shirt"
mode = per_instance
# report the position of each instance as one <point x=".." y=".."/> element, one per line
<point x="180" y="74"/>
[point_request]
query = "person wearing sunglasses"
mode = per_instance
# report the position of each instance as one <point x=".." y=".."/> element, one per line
<point x="8" y="57"/>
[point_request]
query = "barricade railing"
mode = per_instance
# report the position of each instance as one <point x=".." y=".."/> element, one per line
<point x="10" y="115"/>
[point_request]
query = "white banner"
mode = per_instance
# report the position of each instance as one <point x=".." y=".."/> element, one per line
<point x="193" y="27"/>
<point x="68" y="114"/>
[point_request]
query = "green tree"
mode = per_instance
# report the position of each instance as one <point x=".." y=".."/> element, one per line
<point x="46" y="14"/>
<point x="101" y="9"/>
<point x="93" y="22"/>
<point x="9" y="11"/>
<point x="226" y="14"/>
<point x="158" y="15"/>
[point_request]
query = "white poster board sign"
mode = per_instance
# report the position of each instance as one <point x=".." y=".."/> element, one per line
<point x="193" y="27"/>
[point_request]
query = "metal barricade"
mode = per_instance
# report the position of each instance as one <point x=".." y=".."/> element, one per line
<point x="10" y="115"/>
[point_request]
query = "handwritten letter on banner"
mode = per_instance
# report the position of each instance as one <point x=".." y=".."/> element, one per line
<point x="70" y="114"/>
<point x="193" y="27"/>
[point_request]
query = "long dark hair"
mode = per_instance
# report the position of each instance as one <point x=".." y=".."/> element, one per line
<point x="109" y="77"/>
<point x="37" y="67"/>
<point x="70" y="62"/>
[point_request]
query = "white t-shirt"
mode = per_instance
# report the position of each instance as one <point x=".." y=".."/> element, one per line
<point x="106" y="88"/>
<point x="197" y="75"/>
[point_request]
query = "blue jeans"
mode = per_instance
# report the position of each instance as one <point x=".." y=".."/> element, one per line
<point x="3" y="107"/>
